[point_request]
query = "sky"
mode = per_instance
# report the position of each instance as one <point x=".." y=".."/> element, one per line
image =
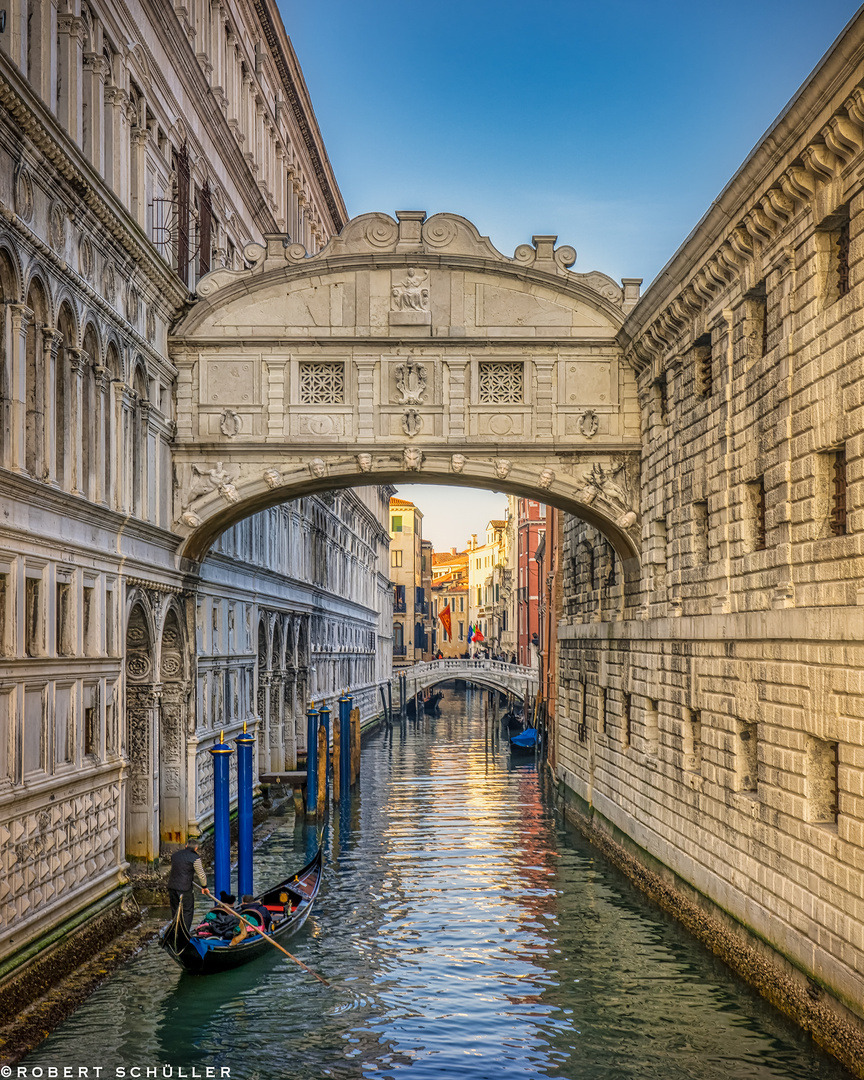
<point x="610" y="125"/>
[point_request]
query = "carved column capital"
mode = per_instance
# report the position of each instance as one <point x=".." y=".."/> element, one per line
<point x="78" y="360"/>
<point x="103" y="377"/>
<point x="21" y="316"/>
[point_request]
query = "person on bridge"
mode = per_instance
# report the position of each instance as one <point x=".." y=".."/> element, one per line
<point x="186" y="866"/>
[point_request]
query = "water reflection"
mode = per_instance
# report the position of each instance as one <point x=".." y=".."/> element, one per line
<point x="468" y="935"/>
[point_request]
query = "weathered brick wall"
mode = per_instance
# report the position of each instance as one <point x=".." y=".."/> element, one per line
<point x="719" y="725"/>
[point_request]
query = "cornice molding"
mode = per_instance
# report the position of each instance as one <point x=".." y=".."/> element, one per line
<point x="56" y="147"/>
<point x="818" y="170"/>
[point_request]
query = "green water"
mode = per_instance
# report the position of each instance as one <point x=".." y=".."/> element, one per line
<point x="467" y="933"/>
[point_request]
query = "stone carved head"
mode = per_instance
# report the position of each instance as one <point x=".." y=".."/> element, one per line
<point x="457" y="462"/>
<point x="317" y="467"/>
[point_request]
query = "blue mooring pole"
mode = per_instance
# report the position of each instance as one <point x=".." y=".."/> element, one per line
<point x="312" y="759"/>
<point x="245" y="753"/>
<point x="345" y="703"/>
<point x="324" y="718"/>
<point x="221" y="752"/>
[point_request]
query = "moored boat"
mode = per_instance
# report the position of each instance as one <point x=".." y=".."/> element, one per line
<point x="525" y="744"/>
<point x="289" y="904"/>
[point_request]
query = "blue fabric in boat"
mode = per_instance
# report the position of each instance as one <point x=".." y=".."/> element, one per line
<point x="204" y="945"/>
<point x="527" y="738"/>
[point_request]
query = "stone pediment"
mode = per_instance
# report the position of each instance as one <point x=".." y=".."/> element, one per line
<point x="414" y="277"/>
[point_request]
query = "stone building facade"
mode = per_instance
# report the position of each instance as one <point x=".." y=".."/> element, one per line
<point x="140" y="148"/>
<point x="713" y="718"/>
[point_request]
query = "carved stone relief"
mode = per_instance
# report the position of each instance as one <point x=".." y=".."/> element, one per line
<point x="411" y="379"/>
<point x="412" y="422"/>
<point x="411" y="293"/>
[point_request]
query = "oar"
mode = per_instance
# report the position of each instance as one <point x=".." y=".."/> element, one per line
<point x="258" y="930"/>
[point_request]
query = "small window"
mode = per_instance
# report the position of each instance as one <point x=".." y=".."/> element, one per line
<point x="756" y="512"/>
<point x="628" y="719"/>
<point x="838" y="493"/>
<point x="33" y="616"/>
<point x="64" y="618"/>
<point x="322" y="382"/>
<point x="396" y="558"/>
<point x="501" y="382"/>
<point x="700" y="532"/>
<point x="396" y="523"/>
<point x="748" y="757"/>
<point x="822" y="777"/>
<point x="703" y="359"/>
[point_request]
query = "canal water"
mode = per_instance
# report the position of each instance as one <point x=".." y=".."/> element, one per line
<point x="467" y="934"/>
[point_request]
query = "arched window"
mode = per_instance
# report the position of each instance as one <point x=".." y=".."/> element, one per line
<point x="86" y="471"/>
<point x="139" y="445"/>
<point x="35" y="383"/>
<point x="63" y="398"/>
<point x="113" y="451"/>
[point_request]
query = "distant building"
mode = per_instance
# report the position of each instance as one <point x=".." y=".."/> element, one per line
<point x="486" y="576"/>
<point x="411" y="616"/>
<point x="530" y="526"/>
<point x="450" y="590"/>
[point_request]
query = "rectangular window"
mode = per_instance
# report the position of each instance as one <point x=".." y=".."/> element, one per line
<point x="5" y="605"/>
<point x="756" y="514"/>
<point x="64" y="618"/>
<point x="747" y="757"/>
<point x="33" y="616"/>
<point x="601" y="709"/>
<point x="628" y="719"/>
<point x="63" y="725"/>
<point x="205" y="229"/>
<point x="395" y="558"/>
<point x="88" y="620"/>
<point x="703" y="360"/>
<point x="181" y="250"/>
<point x="501" y="382"/>
<point x="322" y="382"/>
<point x="842" y="257"/>
<point x="822" y="777"/>
<point x="91" y="721"/>
<point x="396" y="523"/>
<point x="34" y="730"/>
<point x="399" y="598"/>
<point x="838" y="492"/>
<point x="110" y="624"/>
<point x="461" y="631"/>
<point x="700" y="533"/>
<point x="652" y="727"/>
<point x="691" y="742"/>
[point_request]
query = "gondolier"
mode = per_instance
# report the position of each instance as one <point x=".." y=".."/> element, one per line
<point x="186" y="867"/>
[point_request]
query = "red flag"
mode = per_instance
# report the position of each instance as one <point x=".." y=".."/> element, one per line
<point x="446" y="621"/>
<point x="478" y="634"/>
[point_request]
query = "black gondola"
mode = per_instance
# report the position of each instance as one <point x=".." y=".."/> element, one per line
<point x="289" y="904"/>
<point x="525" y="745"/>
<point x="430" y="703"/>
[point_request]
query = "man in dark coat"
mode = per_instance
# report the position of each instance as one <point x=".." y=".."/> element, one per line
<point x="186" y="867"/>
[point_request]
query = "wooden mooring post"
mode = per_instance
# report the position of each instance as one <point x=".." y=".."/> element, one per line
<point x="355" y="745"/>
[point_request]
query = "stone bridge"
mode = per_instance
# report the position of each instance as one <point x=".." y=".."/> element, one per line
<point x="494" y="674"/>
<point x="404" y="351"/>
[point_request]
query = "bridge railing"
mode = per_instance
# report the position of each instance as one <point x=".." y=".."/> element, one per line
<point x="456" y="665"/>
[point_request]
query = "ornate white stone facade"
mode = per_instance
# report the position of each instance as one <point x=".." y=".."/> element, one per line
<point x="138" y="151"/>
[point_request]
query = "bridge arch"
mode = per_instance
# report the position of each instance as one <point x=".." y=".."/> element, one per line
<point x="406" y="350"/>
<point x="490" y="674"/>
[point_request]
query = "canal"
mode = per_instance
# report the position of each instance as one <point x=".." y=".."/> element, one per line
<point x="467" y="933"/>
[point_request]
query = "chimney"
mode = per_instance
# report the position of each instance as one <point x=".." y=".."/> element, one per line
<point x="453" y="551"/>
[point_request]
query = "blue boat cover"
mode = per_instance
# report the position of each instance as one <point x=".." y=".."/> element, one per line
<point x="527" y="738"/>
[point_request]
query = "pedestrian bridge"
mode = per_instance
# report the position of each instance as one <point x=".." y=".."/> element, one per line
<point x="494" y="674"/>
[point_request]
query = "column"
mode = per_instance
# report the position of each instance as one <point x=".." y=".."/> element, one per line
<point x="78" y="362"/>
<point x="291" y="722"/>
<point x="93" y="95"/>
<point x="70" y="59"/>
<point x="138" y="175"/>
<point x="15" y="409"/>
<point x="101" y="467"/>
<point x="276" y="721"/>
<point x="51" y="340"/>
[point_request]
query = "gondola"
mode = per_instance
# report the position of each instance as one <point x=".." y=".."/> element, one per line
<point x="289" y="904"/>
<point x="430" y="703"/>
<point x="524" y="745"/>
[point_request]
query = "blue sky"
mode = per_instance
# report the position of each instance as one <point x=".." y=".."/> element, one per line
<point x="612" y="125"/>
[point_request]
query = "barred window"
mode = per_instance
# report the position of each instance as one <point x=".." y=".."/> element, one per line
<point x="501" y="382"/>
<point x="322" y="383"/>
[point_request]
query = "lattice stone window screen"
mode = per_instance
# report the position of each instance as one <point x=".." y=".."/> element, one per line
<point x="322" y="383"/>
<point x="501" y="382"/>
